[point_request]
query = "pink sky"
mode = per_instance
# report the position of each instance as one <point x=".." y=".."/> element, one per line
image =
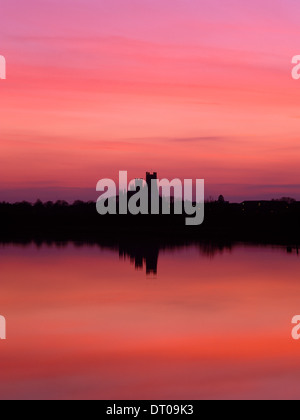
<point x="191" y="89"/>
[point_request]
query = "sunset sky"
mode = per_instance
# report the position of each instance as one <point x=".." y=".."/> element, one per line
<point x="187" y="88"/>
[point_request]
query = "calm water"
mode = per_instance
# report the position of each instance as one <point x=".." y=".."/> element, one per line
<point x="84" y="323"/>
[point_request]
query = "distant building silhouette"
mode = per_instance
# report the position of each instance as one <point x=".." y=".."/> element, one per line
<point x="221" y="200"/>
<point x="149" y="178"/>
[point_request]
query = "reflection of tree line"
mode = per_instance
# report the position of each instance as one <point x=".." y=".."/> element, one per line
<point x="147" y="253"/>
<point x="140" y="252"/>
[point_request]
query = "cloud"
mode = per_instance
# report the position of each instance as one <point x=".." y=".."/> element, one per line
<point x="199" y="139"/>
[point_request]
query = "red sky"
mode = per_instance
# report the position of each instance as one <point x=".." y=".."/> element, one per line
<point x="191" y="89"/>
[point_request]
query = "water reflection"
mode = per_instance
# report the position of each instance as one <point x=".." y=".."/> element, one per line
<point x="144" y="255"/>
<point x="83" y="323"/>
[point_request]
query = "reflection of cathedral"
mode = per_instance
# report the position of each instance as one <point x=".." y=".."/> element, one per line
<point x="140" y="255"/>
<point x="145" y="254"/>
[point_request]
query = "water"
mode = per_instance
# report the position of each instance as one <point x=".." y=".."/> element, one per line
<point x="211" y="323"/>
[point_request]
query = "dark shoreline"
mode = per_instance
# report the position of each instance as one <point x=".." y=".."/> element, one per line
<point x="253" y="222"/>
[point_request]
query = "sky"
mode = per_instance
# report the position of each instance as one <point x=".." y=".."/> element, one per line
<point x="187" y="88"/>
